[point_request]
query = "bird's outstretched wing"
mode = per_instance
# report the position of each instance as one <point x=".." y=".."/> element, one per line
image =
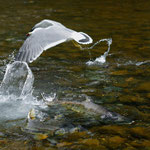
<point x="41" y="39"/>
<point x="46" y="23"/>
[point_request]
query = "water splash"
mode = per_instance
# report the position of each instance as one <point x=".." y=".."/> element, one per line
<point x="18" y="80"/>
<point x="10" y="59"/>
<point x="16" y="92"/>
<point x="49" y="98"/>
<point x="102" y="58"/>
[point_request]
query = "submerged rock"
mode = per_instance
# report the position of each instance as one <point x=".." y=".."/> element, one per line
<point x="143" y="87"/>
<point x="115" y="142"/>
<point x="141" y="132"/>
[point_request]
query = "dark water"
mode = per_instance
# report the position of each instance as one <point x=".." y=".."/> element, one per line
<point x="121" y="85"/>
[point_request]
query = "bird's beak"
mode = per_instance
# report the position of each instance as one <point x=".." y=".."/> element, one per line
<point x="29" y="33"/>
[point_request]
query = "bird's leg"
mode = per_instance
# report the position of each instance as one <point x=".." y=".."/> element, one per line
<point x="77" y="45"/>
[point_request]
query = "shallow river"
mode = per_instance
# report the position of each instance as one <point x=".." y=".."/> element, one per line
<point x="121" y="84"/>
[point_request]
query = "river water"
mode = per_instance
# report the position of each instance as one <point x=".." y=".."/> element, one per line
<point x="121" y="84"/>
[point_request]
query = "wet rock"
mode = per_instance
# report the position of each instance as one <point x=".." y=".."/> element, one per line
<point x="129" y="147"/>
<point x="115" y="141"/>
<point x="144" y="87"/>
<point x="148" y="95"/>
<point x="120" y="72"/>
<point x="140" y="132"/>
<point x="90" y="142"/>
<point x="81" y="140"/>
<point x="87" y="147"/>
<point x="64" y="144"/>
<point x="76" y="68"/>
<point x="3" y="142"/>
<point x="132" y="99"/>
<point x="146" y="143"/>
<point x="144" y="107"/>
<point x="13" y="144"/>
<point x="137" y="144"/>
<point x="121" y="85"/>
<point x="134" y="113"/>
<point x="77" y="135"/>
<point x="40" y="136"/>
<point x="130" y="79"/>
<point x="111" y="130"/>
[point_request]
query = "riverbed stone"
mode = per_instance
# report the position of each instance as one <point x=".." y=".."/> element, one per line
<point x="90" y="142"/>
<point x="77" y="135"/>
<point x="119" y="72"/>
<point x="132" y="99"/>
<point x="111" y="130"/>
<point x="140" y="132"/>
<point x="115" y="141"/>
<point x="63" y="144"/>
<point x="144" y="87"/>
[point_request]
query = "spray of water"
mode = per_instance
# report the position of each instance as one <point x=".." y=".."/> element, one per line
<point x="16" y="92"/>
<point x="102" y="58"/>
<point x="18" y="80"/>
